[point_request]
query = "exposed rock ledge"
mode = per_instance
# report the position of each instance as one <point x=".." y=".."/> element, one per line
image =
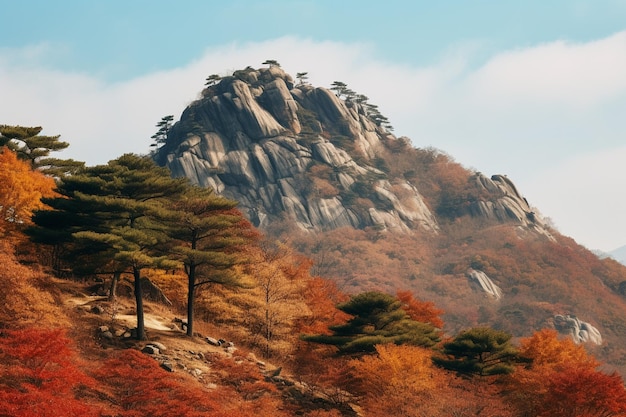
<point x="485" y="283"/>
<point x="243" y="139"/>
<point x="580" y="331"/>
<point x="510" y="205"/>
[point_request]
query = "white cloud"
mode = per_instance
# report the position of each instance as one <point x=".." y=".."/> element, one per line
<point x="571" y="75"/>
<point x="585" y="197"/>
<point x="529" y="113"/>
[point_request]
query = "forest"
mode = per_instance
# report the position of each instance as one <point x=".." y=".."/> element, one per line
<point x="304" y="346"/>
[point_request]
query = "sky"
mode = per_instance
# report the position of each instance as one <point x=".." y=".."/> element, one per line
<point x="535" y="89"/>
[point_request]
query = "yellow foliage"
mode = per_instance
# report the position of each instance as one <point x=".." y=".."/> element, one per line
<point x="404" y="368"/>
<point x="21" y="190"/>
<point x="22" y="303"/>
<point x="545" y="349"/>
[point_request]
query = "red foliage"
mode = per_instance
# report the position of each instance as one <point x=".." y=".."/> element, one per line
<point x="422" y="311"/>
<point x="139" y="387"/>
<point x="575" y="392"/>
<point x="39" y="375"/>
<point x="322" y="296"/>
<point x="244" y="377"/>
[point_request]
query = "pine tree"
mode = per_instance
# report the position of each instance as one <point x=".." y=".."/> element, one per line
<point x="115" y="214"/>
<point x="271" y="63"/>
<point x="339" y="88"/>
<point x="302" y="77"/>
<point x="378" y="318"/>
<point x="479" y="351"/>
<point x="206" y="230"/>
<point x="30" y="146"/>
<point x="211" y="80"/>
<point x="160" y="137"/>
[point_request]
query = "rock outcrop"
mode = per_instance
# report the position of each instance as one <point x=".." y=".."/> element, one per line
<point x="578" y="330"/>
<point x="303" y="153"/>
<point x="506" y="205"/>
<point x="255" y="138"/>
<point x="485" y="283"/>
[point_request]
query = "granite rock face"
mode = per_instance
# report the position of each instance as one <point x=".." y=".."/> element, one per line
<point x="485" y="283"/>
<point x="245" y="139"/>
<point x="580" y="331"/>
<point x="506" y="205"/>
<point x="296" y="151"/>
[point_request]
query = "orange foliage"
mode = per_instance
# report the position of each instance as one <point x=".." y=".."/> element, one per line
<point x="465" y="397"/>
<point x="39" y="375"/>
<point x="422" y="311"/>
<point x="21" y="302"/>
<point x="244" y="377"/>
<point x="322" y="297"/>
<point x="21" y="190"/>
<point x="399" y="380"/>
<point x="562" y="380"/>
<point x="546" y="350"/>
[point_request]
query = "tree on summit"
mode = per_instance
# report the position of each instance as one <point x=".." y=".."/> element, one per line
<point x="339" y="88"/>
<point x="160" y="137"/>
<point x="302" y="77"/>
<point x="271" y="63"/>
<point x="211" y="80"/>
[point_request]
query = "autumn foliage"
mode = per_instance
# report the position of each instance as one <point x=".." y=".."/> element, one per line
<point x="561" y="379"/>
<point x="137" y="386"/>
<point x="422" y="311"/>
<point x="376" y="355"/>
<point x="21" y="190"/>
<point x="40" y="376"/>
<point x="396" y="381"/>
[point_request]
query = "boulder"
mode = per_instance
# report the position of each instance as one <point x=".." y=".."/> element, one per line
<point x="150" y="350"/>
<point x="212" y="341"/>
<point x="153" y="293"/>
<point x="580" y="331"/>
<point x="159" y="346"/>
<point x="506" y="205"/>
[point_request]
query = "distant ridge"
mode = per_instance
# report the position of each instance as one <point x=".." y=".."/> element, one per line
<point x="619" y="254"/>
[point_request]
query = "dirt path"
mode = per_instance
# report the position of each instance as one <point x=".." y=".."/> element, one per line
<point x="150" y="321"/>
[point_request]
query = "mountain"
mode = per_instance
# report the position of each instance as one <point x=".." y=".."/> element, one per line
<point x="619" y="254"/>
<point x="320" y="169"/>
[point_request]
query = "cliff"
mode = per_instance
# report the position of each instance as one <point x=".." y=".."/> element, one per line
<point x="295" y="151"/>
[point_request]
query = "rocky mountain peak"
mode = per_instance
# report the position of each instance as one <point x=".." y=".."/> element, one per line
<point x="287" y="150"/>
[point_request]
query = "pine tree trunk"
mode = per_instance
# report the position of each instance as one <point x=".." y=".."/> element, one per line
<point x="190" y="298"/>
<point x="141" y="332"/>
<point x="113" y="288"/>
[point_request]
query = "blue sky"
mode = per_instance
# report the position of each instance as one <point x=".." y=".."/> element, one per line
<point x="532" y="89"/>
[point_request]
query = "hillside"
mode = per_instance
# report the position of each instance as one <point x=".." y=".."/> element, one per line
<point x="65" y="350"/>
<point x="166" y="302"/>
<point x="320" y="169"/>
